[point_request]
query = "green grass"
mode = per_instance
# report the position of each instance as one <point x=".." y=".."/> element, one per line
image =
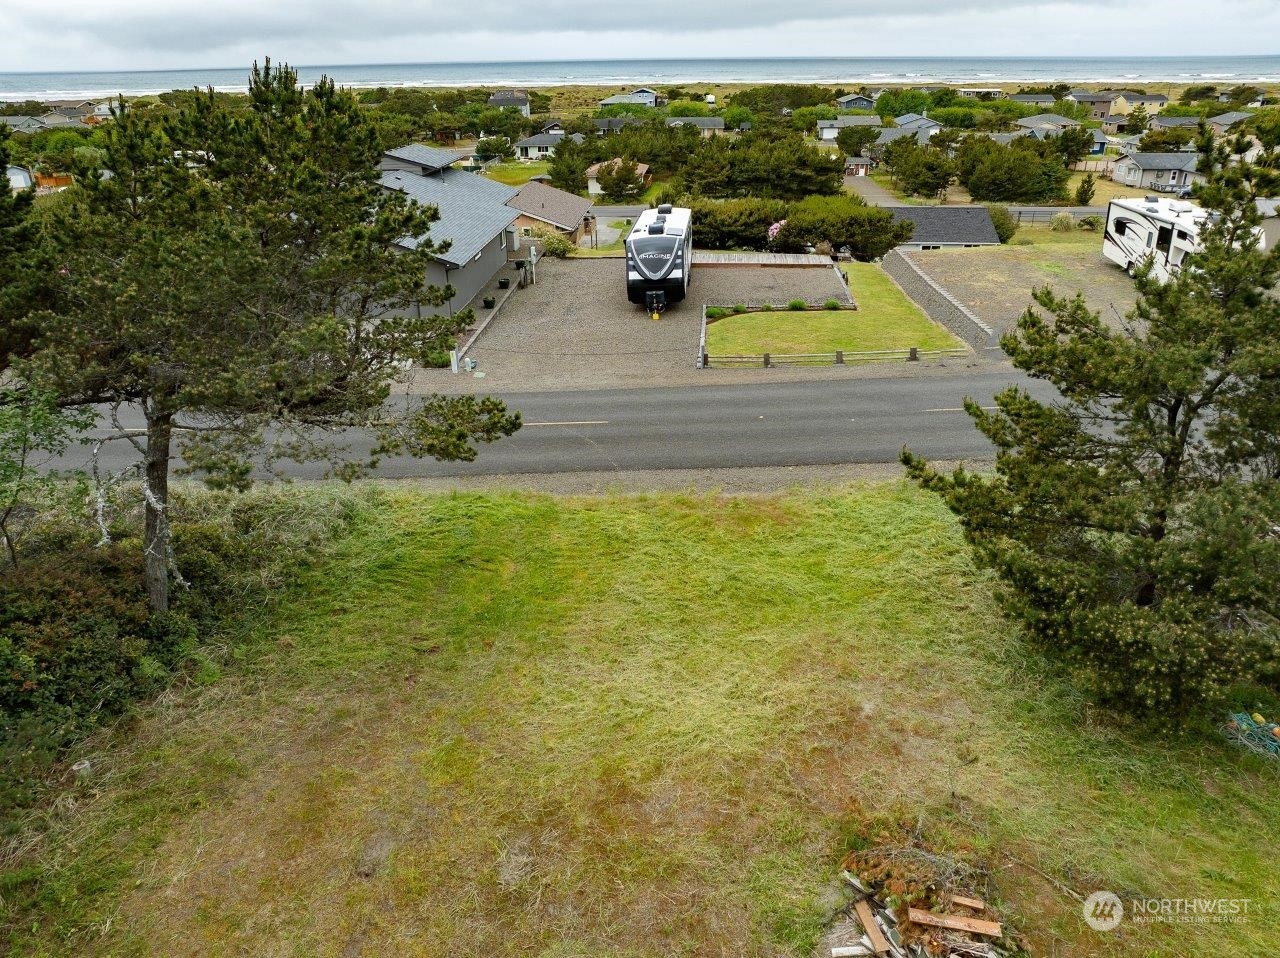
<point x="633" y="726"/>
<point x="885" y="319"/>
<point x="516" y="173"/>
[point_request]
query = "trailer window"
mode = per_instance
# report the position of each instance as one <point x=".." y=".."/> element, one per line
<point x="1121" y="227"/>
<point x="1165" y="239"/>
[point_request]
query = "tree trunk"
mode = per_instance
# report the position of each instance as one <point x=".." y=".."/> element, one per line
<point x="156" y="493"/>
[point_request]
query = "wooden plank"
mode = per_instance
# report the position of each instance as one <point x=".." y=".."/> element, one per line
<point x="879" y="944"/>
<point x="977" y="926"/>
<point x="977" y="903"/>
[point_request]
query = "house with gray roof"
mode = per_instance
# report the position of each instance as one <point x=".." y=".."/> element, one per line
<point x="921" y="134"/>
<point x="20" y="178"/>
<point x="945" y="226"/>
<point x="62" y="119"/>
<point x="707" y="126"/>
<point x="542" y="206"/>
<point x="1033" y="99"/>
<point x="510" y="100"/>
<point x="855" y="101"/>
<point x="641" y="97"/>
<point x="1225" y="121"/>
<point x="830" y="129"/>
<point x="1175" y="122"/>
<point x="22" y="124"/>
<point x="1053" y="121"/>
<point x="474" y="218"/>
<point x="1158" y="172"/>
<point x="612" y="124"/>
<point x="542" y="146"/>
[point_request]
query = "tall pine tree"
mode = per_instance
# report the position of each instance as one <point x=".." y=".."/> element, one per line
<point x="1134" y="522"/>
<point x="238" y="279"/>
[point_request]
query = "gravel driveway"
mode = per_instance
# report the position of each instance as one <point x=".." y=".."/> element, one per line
<point x="576" y="330"/>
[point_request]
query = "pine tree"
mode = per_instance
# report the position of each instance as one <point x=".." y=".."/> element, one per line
<point x="1133" y="523"/>
<point x="239" y="280"/>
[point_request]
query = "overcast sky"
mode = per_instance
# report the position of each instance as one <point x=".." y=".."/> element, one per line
<point x="161" y="34"/>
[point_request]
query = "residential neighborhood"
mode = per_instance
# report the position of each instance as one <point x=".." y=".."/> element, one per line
<point x="790" y="507"/>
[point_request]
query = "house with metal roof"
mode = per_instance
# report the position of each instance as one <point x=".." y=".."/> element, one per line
<point x="946" y="226"/>
<point x="830" y="129"/>
<point x="474" y="219"/>
<point x="541" y="207"/>
<point x="1158" y="172"/>
<point x="1054" y="121"/>
<point x="921" y="134"/>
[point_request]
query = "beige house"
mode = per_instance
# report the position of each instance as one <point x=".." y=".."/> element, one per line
<point x="543" y="207"/>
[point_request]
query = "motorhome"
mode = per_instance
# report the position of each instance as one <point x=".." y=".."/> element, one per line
<point x="659" y="257"/>
<point x="1156" y="228"/>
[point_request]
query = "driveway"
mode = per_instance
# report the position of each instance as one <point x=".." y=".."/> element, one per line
<point x="871" y="191"/>
<point x="576" y="330"/>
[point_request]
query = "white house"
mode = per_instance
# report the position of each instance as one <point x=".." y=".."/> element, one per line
<point x="830" y="129"/>
<point x="542" y="146"/>
<point x="641" y="97"/>
<point x="1159" y="172"/>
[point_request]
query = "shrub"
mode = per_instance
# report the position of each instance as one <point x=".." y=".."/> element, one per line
<point x="736" y="224"/>
<point x="1062" y="222"/>
<point x="1092" y="224"/>
<point x="797" y="304"/>
<point x="740" y="307"/>
<point x="1004" y="222"/>
<point x="766" y="307"/>
<point x="716" y="312"/>
<point x="831" y="304"/>
<point x="552" y="243"/>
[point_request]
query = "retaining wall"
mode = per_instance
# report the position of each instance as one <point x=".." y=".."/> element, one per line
<point x="938" y="304"/>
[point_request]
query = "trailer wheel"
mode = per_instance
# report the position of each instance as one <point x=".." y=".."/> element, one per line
<point x="1129" y="269"/>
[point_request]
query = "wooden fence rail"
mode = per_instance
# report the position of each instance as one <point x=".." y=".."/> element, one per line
<point x="838" y="358"/>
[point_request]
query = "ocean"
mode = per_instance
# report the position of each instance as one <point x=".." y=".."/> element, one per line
<point x="1126" y="71"/>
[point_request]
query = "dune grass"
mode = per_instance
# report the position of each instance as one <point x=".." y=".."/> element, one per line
<point x="885" y="319"/>
<point x="628" y="726"/>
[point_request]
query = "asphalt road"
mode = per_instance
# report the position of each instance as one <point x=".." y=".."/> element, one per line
<point x="705" y="427"/>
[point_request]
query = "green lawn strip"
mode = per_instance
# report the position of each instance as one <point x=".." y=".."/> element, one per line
<point x="885" y="319"/>
<point x="632" y="725"/>
<point x="517" y="173"/>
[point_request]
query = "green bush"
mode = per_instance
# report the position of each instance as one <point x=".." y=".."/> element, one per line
<point x="797" y="304"/>
<point x="766" y="307"/>
<point x="831" y="304"/>
<point x="1092" y="224"/>
<point x="1004" y="222"/>
<point x="78" y="644"/>
<point x="716" y="312"/>
<point x="1062" y="222"/>
<point x="740" y="307"/>
<point x="552" y="243"/>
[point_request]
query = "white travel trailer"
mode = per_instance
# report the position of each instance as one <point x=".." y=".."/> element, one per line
<point x="659" y="257"/>
<point x="1163" y="230"/>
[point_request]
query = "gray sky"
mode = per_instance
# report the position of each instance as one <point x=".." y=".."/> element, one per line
<point x="157" y="34"/>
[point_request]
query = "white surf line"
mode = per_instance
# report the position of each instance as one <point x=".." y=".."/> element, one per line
<point x="576" y="422"/>
<point x="960" y="409"/>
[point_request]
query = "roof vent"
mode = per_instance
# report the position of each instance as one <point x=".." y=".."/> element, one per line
<point x="664" y="208"/>
<point x="1151" y="199"/>
<point x="656" y="227"/>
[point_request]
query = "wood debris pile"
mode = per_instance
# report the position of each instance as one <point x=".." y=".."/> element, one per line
<point x="913" y="903"/>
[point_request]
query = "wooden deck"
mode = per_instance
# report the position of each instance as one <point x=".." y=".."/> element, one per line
<point x="707" y="258"/>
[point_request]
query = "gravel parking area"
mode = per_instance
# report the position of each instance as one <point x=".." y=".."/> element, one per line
<point x="576" y="330"/>
<point x="996" y="281"/>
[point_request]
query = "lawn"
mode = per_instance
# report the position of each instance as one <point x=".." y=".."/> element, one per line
<point x="516" y="173"/>
<point x="885" y="319"/>
<point x="634" y="726"/>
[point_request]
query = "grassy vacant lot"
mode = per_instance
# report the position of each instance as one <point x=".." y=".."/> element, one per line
<point x="516" y="173"/>
<point x="996" y="281"/>
<point x="631" y="726"/>
<point x="885" y="319"/>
